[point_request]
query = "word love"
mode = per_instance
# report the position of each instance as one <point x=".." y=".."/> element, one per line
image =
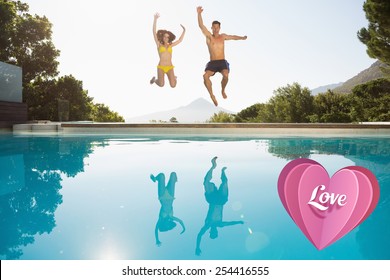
<point x="344" y="200"/>
<point x="326" y="197"/>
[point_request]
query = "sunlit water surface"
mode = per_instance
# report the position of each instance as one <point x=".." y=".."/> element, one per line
<point x="92" y="197"/>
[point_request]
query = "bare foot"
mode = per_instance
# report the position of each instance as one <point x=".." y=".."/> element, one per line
<point x="224" y="95"/>
<point x="214" y="99"/>
<point x="214" y="162"/>
<point x="153" y="80"/>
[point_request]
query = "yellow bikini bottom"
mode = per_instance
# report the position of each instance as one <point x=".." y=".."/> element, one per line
<point x="166" y="69"/>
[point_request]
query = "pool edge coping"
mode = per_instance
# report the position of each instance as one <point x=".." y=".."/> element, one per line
<point x="226" y="129"/>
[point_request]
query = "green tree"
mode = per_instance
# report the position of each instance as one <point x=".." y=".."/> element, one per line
<point x="26" y="41"/>
<point x="291" y="104"/>
<point x="221" y="117"/>
<point x="249" y="114"/>
<point x="331" y="107"/>
<point x="102" y="113"/>
<point x="377" y="36"/>
<point x="80" y="104"/>
<point x="43" y="97"/>
<point x="267" y="114"/>
<point x="40" y="95"/>
<point x="7" y="16"/>
<point x="370" y="101"/>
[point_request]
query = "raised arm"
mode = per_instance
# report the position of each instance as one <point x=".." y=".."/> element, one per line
<point x="202" y="231"/>
<point x="235" y="37"/>
<point x="158" y="242"/>
<point x="200" y="22"/>
<point x="156" y="16"/>
<point x="178" y="41"/>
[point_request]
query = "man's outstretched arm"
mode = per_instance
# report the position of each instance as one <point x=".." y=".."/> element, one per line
<point x="235" y="37"/>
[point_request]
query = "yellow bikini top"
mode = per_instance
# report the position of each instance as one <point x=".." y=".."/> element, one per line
<point x="162" y="49"/>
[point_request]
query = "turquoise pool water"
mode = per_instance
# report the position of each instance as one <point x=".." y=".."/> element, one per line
<point x="92" y="197"/>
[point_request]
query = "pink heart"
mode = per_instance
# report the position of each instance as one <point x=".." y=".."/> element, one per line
<point x="324" y="208"/>
<point x="289" y="196"/>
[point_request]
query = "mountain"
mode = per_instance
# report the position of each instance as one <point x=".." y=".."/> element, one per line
<point x="323" y="89"/>
<point x="198" y="111"/>
<point x="369" y="74"/>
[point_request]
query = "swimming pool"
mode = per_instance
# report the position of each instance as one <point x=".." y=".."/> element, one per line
<point x="92" y="197"/>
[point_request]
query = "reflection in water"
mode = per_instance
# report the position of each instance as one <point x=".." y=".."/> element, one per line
<point x="32" y="169"/>
<point x="216" y="198"/>
<point x="30" y="184"/>
<point x="374" y="243"/>
<point x="373" y="155"/>
<point x="166" y="194"/>
<point x="377" y="151"/>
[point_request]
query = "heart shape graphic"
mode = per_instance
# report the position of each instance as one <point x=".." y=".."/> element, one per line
<point x="324" y="208"/>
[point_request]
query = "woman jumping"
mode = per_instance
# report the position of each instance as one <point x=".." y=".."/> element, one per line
<point x="166" y="194"/>
<point x="165" y="41"/>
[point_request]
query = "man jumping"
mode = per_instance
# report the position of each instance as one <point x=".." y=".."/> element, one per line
<point x="216" y="45"/>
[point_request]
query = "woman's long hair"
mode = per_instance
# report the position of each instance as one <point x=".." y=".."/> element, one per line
<point x="160" y="36"/>
<point x="166" y="225"/>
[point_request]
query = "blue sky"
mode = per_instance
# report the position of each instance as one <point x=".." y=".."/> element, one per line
<point x="109" y="46"/>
